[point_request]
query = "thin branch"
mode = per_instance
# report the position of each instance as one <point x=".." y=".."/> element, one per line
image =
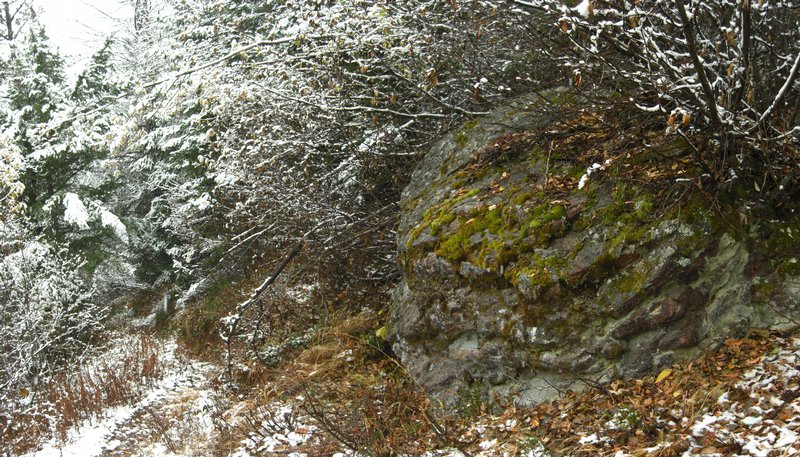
<point x="21" y="5"/>
<point x="744" y="8"/>
<point x="231" y="55"/>
<point x="234" y="319"/>
<point x="780" y="96"/>
<point x="171" y="79"/>
<point x="527" y="5"/>
<point x="363" y="109"/>
<point x="689" y="33"/>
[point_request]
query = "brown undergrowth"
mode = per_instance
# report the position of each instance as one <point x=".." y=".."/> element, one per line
<point x="82" y="393"/>
<point x="351" y="388"/>
<point x="345" y="378"/>
<point x="348" y="384"/>
<point x="345" y="382"/>
<point x="363" y="400"/>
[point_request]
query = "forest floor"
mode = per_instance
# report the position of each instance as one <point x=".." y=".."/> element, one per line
<point x="172" y="417"/>
<point x="185" y="413"/>
<point x="740" y="400"/>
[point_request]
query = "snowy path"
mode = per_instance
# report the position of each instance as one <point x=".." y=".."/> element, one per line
<point x="172" y="419"/>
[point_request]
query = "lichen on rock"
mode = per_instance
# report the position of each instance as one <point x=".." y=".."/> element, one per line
<point x="519" y="280"/>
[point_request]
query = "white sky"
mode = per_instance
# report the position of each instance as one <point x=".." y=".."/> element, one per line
<point x="78" y="27"/>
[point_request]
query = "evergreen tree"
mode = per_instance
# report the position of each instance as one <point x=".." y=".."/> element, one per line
<point x="67" y="184"/>
<point x="97" y="80"/>
<point x="36" y="91"/>
<point x="36" y="79"/>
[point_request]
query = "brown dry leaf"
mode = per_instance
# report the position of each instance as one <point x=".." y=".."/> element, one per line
<point x="786" y="414"/>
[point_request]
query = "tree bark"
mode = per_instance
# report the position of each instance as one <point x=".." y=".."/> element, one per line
<point x="8" y="18"/>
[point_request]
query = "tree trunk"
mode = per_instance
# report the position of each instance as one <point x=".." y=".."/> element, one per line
<point x="8" y="19"/>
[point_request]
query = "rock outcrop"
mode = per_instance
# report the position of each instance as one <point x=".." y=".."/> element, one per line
<point x="539" y="256"/>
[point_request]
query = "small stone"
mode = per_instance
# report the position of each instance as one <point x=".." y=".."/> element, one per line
<point x="612" y="349"/>
<point x="474" y="272"/>
<point x="433" y="266"/>
<point x="574" y="211"/>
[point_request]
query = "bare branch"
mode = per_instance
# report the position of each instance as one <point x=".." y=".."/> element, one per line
<point x="689" y="34"/>
<point x="780" y="96"/>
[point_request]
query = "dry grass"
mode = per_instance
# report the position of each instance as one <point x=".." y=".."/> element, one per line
<point x="71" y="398"/>
<point x="344" y="381"/>
<point x="342" y="378"/>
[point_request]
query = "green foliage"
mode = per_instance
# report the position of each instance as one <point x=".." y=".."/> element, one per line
<point x="532" y="445"/>
<point x="95" y="82"/>
<point x="36" y="79"/>
<point x="626" y="419"/>
<point x="540" y="271"/>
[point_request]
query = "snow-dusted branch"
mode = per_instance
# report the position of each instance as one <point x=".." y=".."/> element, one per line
<point x="362" y="109"/>
<point x="721" y="67"/>
<point x="690" y="35"/>
<point x="230" y="323"/>
<point x="780" y="96"/>
<point x="236" y="53"/>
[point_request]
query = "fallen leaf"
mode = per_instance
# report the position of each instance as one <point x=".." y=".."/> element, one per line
<point x="663" y="375"/>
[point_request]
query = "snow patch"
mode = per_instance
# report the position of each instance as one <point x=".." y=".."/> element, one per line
<point x="109" y="219"/>
<point x="584" y="8"/>
<point x="75" y="212"/>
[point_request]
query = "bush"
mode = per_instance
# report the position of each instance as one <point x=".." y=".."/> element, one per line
<point x="47" y="317"/>
<point x="728" y="69"/>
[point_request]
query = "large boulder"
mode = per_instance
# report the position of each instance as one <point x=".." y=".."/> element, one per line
<point x="542" y="252"/>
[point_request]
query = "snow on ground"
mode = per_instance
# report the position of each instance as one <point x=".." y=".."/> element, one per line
<point x="283" y="433"/>
<point x="181" y="397"/>
<point x="173" y="418"/>
<point x="767" y="421"/>
<point x="760" y="415"/>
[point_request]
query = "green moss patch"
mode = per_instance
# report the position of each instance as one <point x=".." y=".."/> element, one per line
<point x="463" y="134"/>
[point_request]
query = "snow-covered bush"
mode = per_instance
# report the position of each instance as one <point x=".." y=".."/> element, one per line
<point x="307" y="116"/>
<point x="11" y="164"/>
<point x="251" y="125"/>
<point x="47" y="317"/>
<point x="728" y="68"/>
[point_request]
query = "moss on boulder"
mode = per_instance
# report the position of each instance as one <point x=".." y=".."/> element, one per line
<point x="524" y="277"/>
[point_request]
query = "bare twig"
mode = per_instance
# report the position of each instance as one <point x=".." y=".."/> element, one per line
<point x="232" y="321"/>
<point x="780" y="96"/>
<point x="690" y="34"/>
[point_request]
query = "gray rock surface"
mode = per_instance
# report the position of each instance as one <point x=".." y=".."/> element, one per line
<point x="520" y="282"/>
